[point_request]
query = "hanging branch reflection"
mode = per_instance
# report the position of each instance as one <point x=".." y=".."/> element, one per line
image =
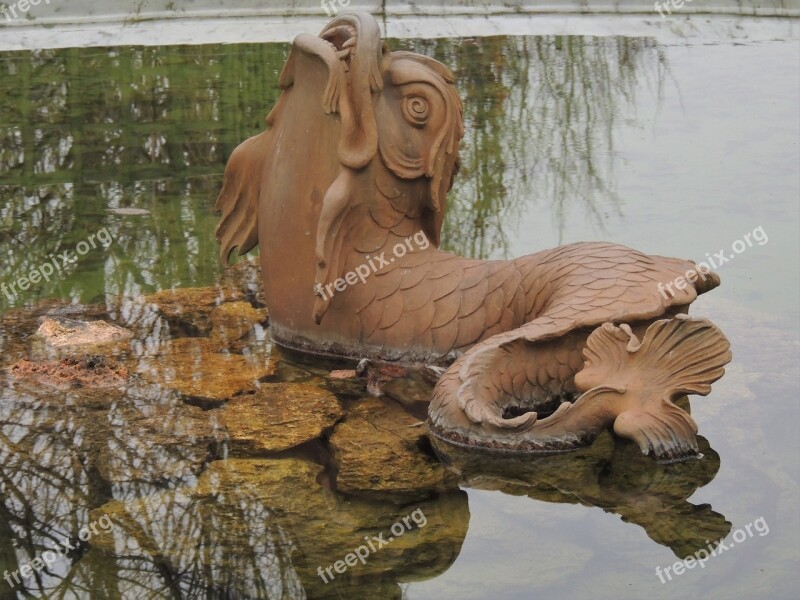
<point x="541" y="115"/>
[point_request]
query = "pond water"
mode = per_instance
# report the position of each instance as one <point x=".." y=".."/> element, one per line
<point x="674" y="148"/>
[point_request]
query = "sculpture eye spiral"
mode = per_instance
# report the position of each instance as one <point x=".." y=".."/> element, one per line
<point x="415" y="110"/>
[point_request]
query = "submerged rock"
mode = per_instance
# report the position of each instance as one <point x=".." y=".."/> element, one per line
<point x="280" y="416"/>
<point x="188" y="310"/>
<point x="73" y="371"/>
<point x="70" y="443"/>
<point x="414" y="389"/>
<point x="164" y="440"/>
<point x="378" y="451"/>
<point x="16" y="326"/>
<point x="233" y="320"/>
<point x="196" y="368"/>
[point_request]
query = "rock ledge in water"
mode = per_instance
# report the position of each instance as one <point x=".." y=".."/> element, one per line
<point x="280" y="416"/>
<point x="377" y="450"/>
<point x="196" y="368"/>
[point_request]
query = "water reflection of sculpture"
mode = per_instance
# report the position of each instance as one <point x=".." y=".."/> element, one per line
<point x="615" y="478"/>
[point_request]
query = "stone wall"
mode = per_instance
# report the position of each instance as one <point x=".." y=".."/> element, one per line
<point x="24" y="12"/>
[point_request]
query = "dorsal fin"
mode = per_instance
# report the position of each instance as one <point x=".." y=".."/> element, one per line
<point x="238" y="200"/>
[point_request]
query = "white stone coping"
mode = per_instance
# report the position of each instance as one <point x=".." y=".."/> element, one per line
<point x="86" y="23"/>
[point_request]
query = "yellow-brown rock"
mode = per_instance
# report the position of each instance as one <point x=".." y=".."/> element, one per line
<point x="233" y="320"/>
<point x="196" y="368"/>
<point x="377" y="450"/>
<point x="280" y="416"/>
<point x="188" y="310"/>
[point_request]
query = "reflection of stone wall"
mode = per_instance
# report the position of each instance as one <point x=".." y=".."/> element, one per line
<point x="92" y="11"/>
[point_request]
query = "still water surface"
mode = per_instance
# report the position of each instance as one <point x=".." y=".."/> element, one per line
<point x="674" y="149"/>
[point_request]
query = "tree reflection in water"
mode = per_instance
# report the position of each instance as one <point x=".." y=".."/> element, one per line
<point x="86" y="130"/>
<point x="540" y="115"/>
<point x="194" y="517"/>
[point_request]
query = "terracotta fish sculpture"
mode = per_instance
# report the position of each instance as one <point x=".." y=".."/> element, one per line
<point x="345" y="193"/>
